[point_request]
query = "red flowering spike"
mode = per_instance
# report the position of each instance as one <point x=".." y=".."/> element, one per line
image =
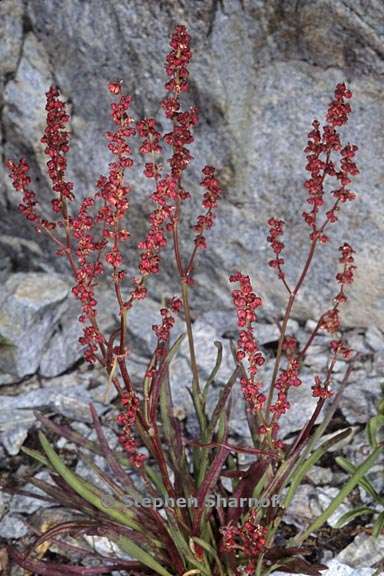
<point x="115" y="87"/>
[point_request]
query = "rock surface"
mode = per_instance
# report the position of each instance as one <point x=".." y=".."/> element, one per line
<point x="31" y="305"/>
<point x="336" y="568"/>
<point x="261" y="72"/>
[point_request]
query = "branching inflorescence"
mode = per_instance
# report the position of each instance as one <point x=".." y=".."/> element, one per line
<point x="93" y="238"/>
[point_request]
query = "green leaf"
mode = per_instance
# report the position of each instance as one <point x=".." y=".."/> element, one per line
<point x="139" y="554"/>
<point x="208" y="548"/>
<point x="36" y="455"/>
<point x="87" y="491"/>
<point x="378" y="526"/>
<point x="341" y="496"/>
<point x="303" y="467"/>
<point x="156" y="480"/>
<point x="351" y="514"/>
<point x="222" y="402"/>
<point x="216" y="368"/>
<point x="373" y="426"/>
<point x="165" y="394"/>
<point x="364" y="482"/>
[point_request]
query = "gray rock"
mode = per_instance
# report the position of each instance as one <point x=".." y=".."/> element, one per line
<point x="326" y="496"/>
<point x="12" y="527"/>
<point x="24" y="97"/>
<point x="31" y="305"/>
<point x="304" y="507"/>
<point x="357" y="341"/>
<point x="375" y="338"/>
<point x="21" y="254"/>
<point x="336" y="568"/>
<point x="66" y="395"/>
<point x="378" y="364"/>
<point x="63" y="349"/>
<point x="13" y="438"/>
<point x="104" y="546"/>
<point x="11" y="32"/>
<point x="143" y="315"/>
<point x="6" y="379"/>
<point x="295" y="419"/>
<point x="21" y="504"/>
<point x="317" y="362"/>
<point x="261" y="73"/>
<point x="360" y="398"/>
<point x="83" y="470"/>
<point x="363" y="551"/>
<point x="309" y="502"/>
<point x="319" y="475"/>
<point x="4" y="502"/>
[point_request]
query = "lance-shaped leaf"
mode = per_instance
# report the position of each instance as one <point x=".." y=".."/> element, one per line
<point x="67" y="433"/>
<point x="208" y="548"/>
<point x="222" y="401"/>
<point x="305" y="466"/>
<point x="352" y="514"/>
<point x="91" y="495"/>
<point x="141" y="555"/>
<point x="215" y="370"/>
<point x="378" y="527"/>
<point x="51" y="569"/>
<point x="364" y="482"/>
<point x="208" y="483"/>
<point x="119" y="472"/>
<point x="373" y="427"/>
<point x="155" y="390"/>
<point x="38" y="456"/>
<point x="341" y="496"/>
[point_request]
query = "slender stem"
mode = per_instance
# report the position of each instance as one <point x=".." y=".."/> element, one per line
<point x="279" y="352"/>
<point x="311" y="338"/>
<point x="188" y="322"/>
<point x="196" y="389"/>
<point x="285" y="322"/>
<point x="176" y="241"/>
<point x="308" y="428"/>
<point x="188" y="269"/>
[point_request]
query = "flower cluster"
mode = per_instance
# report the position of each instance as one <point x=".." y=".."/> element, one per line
<point x="126" y="419"/>
<point x="250" y="538"/>
<point x="176" y="68"/>
<point x="321" y="391"/>
<point x="56" y="138"/>
<point x="287" y="378"/>
<point x="330" y="321"/>
<point x="169" y="190"/>
<point x="346" y="276"/>
<point x="111" y="189"/>
<point x="276" y="229"/>
<point x="177" y="61"/>
<point x="163" y="330"/>
<point x="162" y="215"/>
<point x="21" y="180"/>
<point x="290" y="346"/>
<point x="338" y="347"/>
<point x="318" y="150"/>
<point x="86" y="275"/>
<point x="210" y="198"/>
<point x="246" y="302"/>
